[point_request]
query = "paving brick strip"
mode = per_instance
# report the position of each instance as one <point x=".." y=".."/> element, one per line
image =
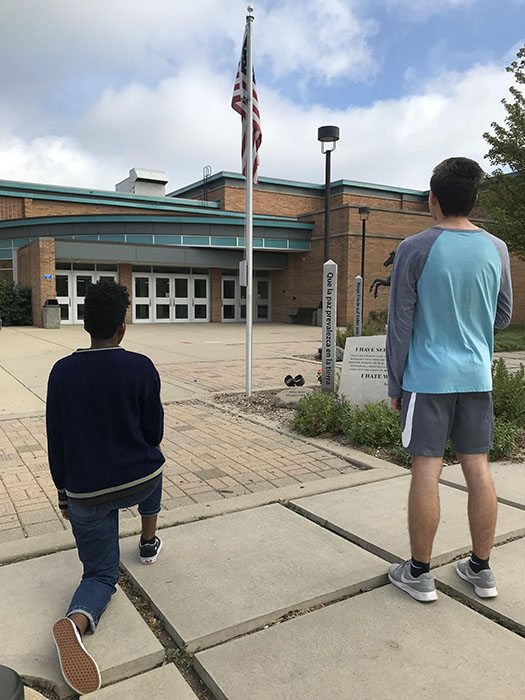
<point x="210" y="455"/>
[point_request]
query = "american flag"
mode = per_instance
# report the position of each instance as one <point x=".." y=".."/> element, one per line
<point x="240" y="105"/>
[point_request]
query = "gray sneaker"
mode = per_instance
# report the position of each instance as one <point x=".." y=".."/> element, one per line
<point x="484" y="582"/>
<point x="420" y="587"/>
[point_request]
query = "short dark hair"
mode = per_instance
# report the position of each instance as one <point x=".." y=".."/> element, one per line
<point x="455" y="182"/>
<point x="105" y="309"/>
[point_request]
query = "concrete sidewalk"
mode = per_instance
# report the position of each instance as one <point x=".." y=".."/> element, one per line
<point x="190" y="354"/>
<point x="290" y="600"/>
<point x="273" y="571"/>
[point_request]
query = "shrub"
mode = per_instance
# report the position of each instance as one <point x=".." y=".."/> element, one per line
<point x="506" y="436"/>
<point x="508" y="393"/>
<point x="15" y="304"/>
<point x="377" y="426"/>
<point x="320" y="412"/>
<point x="374" y="325"/>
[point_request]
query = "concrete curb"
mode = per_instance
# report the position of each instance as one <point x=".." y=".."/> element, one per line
<point x="41" y="545"/>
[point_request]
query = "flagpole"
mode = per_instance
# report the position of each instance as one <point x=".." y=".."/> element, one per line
<point x="249" y="203"/>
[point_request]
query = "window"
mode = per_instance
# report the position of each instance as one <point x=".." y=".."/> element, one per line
<point x="181" y="289"/>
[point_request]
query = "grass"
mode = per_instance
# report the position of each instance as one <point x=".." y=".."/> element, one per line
<point x="511" y="338"/>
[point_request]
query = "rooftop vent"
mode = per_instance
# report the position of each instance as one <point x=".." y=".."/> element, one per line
<point x="151" y="183"/>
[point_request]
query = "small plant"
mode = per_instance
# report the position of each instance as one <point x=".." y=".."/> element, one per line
<point x="374" y="325"/>
<point x="179" y="656"/>
<point x="314" y="414"/>
<point x="506" y="437"/>
<point x="508" y="393"/>
<point x="15" y="304"/>
<point x="377" y="426"/>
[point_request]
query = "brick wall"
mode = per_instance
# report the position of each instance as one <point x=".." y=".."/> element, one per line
<point x="41" y="207"/>
<point x="11" y="208"/>
<point x="125" y="279"/>
<point x="215" y="295"/>
<point x="389" y="222"/>
<point x="34" y="261"/>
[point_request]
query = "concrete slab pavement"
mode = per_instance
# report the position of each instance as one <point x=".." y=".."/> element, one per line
<point x="377" y="645"/>
<point x="507" y="562"/>
<point x="28" y="353"/>
<point x="219" y="578"/>
<point x="164" y="683"/>
<point x="375" y="517"/>
<point x="35" y="593"/>
<point x="508" y="477"/>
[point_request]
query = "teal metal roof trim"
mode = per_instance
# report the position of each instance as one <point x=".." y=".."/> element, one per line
<point x="136" y="205"/>
<point x="224" y="174"/>
<point x="235" y="220"/>
<point x="302" y="185"/>
<point x="181" y="205"/>
<point x="384" y="188"/>
<point x="79" y="191"/>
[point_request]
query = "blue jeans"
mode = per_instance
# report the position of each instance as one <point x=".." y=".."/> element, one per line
<point x="96" y="533"/>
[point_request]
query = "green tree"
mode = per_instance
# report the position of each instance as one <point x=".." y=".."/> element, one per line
<point x="504" y="199"/>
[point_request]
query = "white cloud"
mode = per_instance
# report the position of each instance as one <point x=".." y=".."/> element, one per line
<point x="323" y="40"/>
<point x="113" y="85"/>
<point x="422" y="9"/>
<point x="170" y="127"/>
<point x="51" y="159"/>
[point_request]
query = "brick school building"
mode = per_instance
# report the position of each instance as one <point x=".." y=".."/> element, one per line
<point x="179" y="253"/>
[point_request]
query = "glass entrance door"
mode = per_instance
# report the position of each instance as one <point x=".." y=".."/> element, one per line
<point x="142" y="301"/>
<point x="162" y="301"/>
<point x="231" y="299"/>
<point x="201" y="300"/>
<point x="170" y="298"/>
<point x="81" y="281"/>
<point x="234" y="299"/>
<point x="181" y="300"/>
<point x="64" y="294"/>
<point x="262" y="299"/>
<point x="71" y="287"/>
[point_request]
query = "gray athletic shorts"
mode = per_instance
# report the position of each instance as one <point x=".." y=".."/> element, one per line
<point x="428" y="420"/>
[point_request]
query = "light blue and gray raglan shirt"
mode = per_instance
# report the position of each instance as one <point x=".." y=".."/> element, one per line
<point x="449" y="289"/>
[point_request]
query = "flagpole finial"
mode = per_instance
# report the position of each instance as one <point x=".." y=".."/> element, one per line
<point x="250" y="9"/>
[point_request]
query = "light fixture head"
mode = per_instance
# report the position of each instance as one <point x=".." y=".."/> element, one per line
<point x="364" y="213"/>
<point x="328" y="133"/>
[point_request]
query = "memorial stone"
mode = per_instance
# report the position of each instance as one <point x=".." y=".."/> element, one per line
<point x="329" y="325"/>
<point x="364" y="377"/>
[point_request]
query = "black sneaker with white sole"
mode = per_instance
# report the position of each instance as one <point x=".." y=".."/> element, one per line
<point x="149" y="552"/>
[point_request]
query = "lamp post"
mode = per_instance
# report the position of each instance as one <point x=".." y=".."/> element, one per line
<point x="327" y="135"/>
<point x="364" y="213"/>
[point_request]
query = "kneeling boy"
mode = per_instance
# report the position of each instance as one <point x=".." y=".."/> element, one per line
<point x="104" y="428"/>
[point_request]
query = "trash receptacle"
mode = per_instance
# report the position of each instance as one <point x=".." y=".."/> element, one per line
<point x="11" y="687"/>
<point x="51" y="314"/>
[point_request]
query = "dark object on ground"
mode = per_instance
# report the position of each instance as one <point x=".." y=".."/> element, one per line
<point x="11" y="687"/>
<point x="378" y="282"/>
<point x="294" y="381"/>
<point x="302" y="315"/>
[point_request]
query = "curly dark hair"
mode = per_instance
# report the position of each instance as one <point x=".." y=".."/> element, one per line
<point x="105" y="308"/>
<point x="456" y="182"/>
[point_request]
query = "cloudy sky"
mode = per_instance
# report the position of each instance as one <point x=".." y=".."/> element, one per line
<point x="92" y="88"/>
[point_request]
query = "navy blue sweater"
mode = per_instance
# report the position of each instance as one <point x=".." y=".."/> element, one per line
<point x="104" y="424"/>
